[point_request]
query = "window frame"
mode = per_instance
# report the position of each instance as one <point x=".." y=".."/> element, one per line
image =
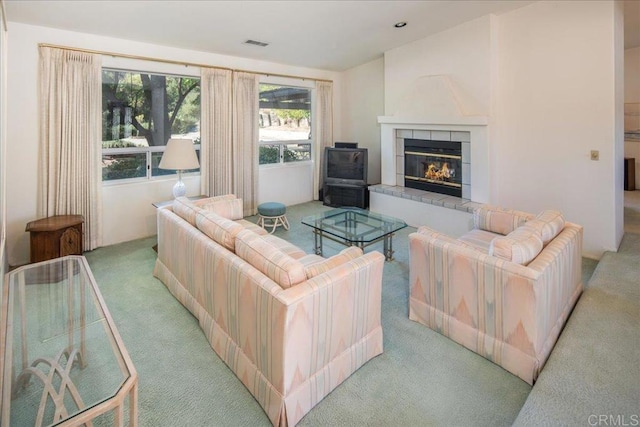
<point x="148" y="151"/>
<point x="290" y="82"/>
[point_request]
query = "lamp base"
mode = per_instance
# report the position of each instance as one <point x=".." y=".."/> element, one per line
<point x="179" y="189"/>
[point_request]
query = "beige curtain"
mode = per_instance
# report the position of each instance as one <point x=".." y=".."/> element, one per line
<point x="245" y="139"/>
<point x="70" y="134"/>
<point x="216" y="160"/>
<point x="323" y="129"/>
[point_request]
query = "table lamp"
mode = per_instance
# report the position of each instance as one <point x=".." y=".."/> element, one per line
<point x="179" y="155"/>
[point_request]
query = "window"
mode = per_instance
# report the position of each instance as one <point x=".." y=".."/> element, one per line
<point x="285" y="130"/>
<point x="140" y="113"/>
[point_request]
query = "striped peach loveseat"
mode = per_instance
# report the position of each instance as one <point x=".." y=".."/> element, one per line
<point x="291" y="326"/>
<point x="504" y="290"/>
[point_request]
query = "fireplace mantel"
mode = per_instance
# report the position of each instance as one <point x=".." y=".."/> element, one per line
<point x="435" y="121"/>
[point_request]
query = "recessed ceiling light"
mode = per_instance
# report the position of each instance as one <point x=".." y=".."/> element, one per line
<point x="400" y="24"/>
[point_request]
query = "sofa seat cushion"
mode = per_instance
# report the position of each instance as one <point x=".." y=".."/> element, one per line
<point x="269" y="260"/>
<point x="288" y="248"/>
<point x="520" y="246"/>
<point x="343" y="257"/>
<point x="221" y="230"/>
<point x="499" y="220"/>
<point x="479" y="239"/>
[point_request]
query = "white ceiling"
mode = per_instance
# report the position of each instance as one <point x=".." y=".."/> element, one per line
<point x="333" y="35"/>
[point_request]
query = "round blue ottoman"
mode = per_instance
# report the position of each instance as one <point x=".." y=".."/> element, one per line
<point x="272" y="214"/>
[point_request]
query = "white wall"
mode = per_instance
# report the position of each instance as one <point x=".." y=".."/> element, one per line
<point x="362" y="101"/>
<point x="632" y="75"/>
<point x="127" y="210"/>
<point x="546" y="75"/>
<point x="3" y="143"/>
<point x="276" y="183"/>
<point x="618" y="120"/>
<point x="463" y="53"/>
<point x="556" y="102"/>
<point x="632" y="95"/>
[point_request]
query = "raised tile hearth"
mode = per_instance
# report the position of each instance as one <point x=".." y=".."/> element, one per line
<point x="427" y="197"/>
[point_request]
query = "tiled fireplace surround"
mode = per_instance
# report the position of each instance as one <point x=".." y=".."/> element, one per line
<point x="436" y="135"/>
<point x="418" y="207"/>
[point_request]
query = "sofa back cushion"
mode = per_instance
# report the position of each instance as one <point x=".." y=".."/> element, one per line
<point x="520" y="246"/>
<point x="188" y="209"/>
<point x="185" y="209"/>
<point x="230" y="208"/>
<point x="548" y="224"/>
<point x="269" y="260"/>
<point x="223" y="231"/>
<point x="499" y="220"/>
<point x="344" y="256"/>
<point x="206" y="200"/>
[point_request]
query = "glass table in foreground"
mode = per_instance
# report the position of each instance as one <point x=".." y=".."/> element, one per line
<point x="63" y="362"/>
<point x="354" y="227"/>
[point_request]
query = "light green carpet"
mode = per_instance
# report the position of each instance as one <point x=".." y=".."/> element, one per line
<point x="422" y="378"/>
<point x="594" y="369"/>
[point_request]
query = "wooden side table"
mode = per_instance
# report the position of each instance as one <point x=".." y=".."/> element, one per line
<point x="55" y="237"/>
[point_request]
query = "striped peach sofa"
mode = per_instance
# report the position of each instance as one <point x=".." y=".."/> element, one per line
<point x="503" y="290"/>
<point x="291" y="326"/>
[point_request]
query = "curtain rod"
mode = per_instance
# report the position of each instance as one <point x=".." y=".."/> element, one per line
<point x="170" y="61"/>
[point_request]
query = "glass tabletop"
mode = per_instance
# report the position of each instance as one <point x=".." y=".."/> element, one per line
<point x="61" y="349"/>
<point x="354" y="225"/>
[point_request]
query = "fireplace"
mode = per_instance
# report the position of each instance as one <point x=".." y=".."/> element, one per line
<point x="433" y="165"/>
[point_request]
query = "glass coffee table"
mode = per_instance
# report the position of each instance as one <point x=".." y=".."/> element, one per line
<point x="354" y="227"/>
<point x="63" y="361"/>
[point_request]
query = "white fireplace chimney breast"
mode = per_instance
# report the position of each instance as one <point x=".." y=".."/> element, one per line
<point x="435" y="103"/>
<point x="435" y="99"/>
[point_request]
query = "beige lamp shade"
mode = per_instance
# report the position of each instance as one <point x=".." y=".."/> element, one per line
<point x="179" y="155"/>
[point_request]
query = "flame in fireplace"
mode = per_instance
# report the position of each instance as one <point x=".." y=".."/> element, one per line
<point x="439" y="173"/>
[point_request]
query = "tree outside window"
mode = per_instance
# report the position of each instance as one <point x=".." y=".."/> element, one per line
<point x="140" y="113"/>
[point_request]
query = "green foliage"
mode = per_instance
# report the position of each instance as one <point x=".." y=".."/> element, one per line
<point x="123" y="168"/>
<point x="291" y="156"/>
<point x="293" y="114"/>
<point x="149" y="105"/>
<point x="268" y="154"/>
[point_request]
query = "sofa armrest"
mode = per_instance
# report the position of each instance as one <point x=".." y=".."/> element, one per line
<point x="560" y="267"/>
<point x="331" y="315"/>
